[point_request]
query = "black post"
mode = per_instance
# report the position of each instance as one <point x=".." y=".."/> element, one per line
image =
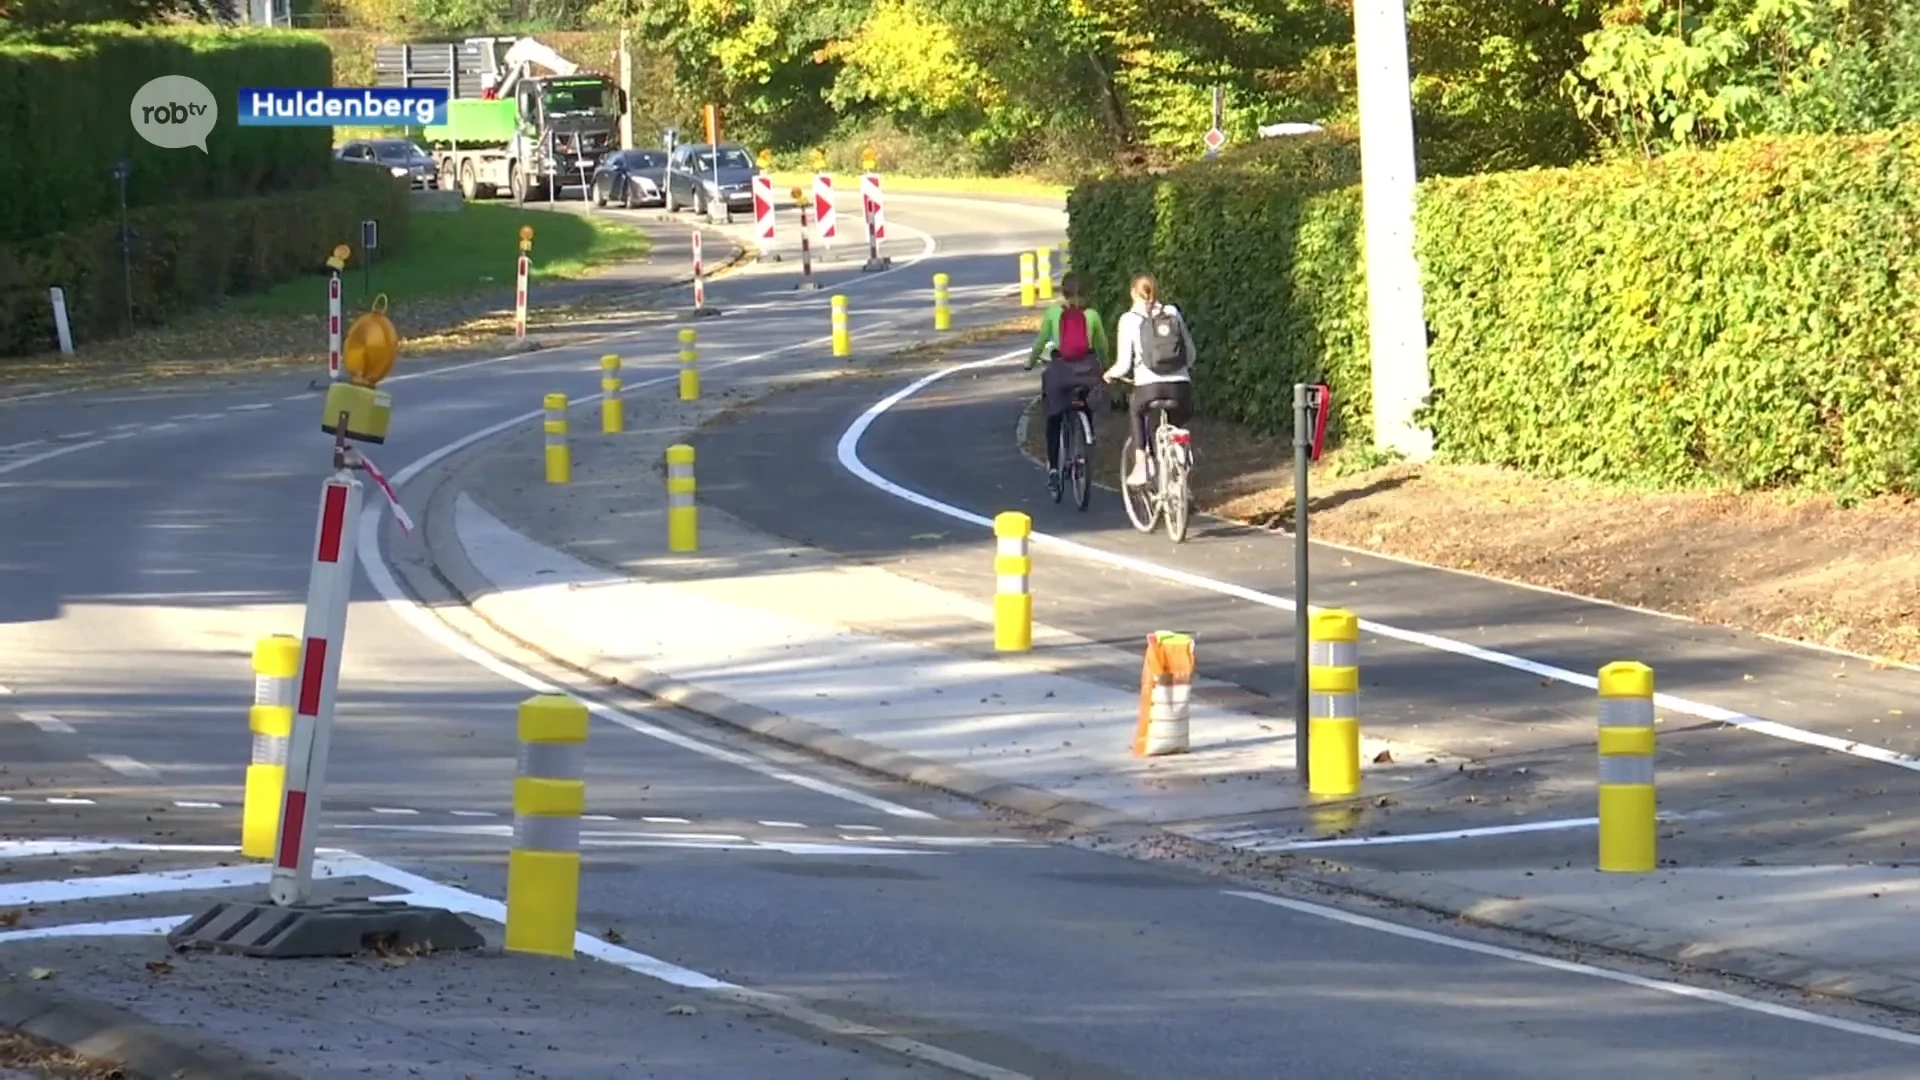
<point x="806" y="251"/>
<point x="1302" y="457"/>
<point x="121" y="169"/>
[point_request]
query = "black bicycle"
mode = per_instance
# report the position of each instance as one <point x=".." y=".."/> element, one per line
<point x="1076" y="449"/>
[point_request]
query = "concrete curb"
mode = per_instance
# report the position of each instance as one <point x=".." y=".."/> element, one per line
<point x="1411" y="890"/>
<point x="144" y="1049"/>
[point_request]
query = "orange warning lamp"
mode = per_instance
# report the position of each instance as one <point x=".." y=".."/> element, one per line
<point x="368" y="354"/>
<point x="868" y="159"/>
<point x="819" y="159"/>
<point x="338" y="260"/>
<point x="799" y="195"/>
<point x="526" y="238"/>
<point x="766" y="159"/>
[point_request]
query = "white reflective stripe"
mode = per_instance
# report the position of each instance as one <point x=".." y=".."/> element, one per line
<point x="1010" y="583"/>
<point x="1176" y="694"/>
<point x="1626" y="712"/>
<point x="1333" y="706"/>
<point x="1334" y="653"/>
<point x="556" y="439"/>
<point x="270" y="749"/>
<point x="1626" y="769"/>
<point x="1011" y="545"/>
<point x="545" y="832"/>
<point x="273" y="690"/>
<point x="553" y="761"/>
<point x="1172" y="714"/>
<point x="680" y="500"/>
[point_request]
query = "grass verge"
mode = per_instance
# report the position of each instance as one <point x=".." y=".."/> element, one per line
<point x="464" y="251"/>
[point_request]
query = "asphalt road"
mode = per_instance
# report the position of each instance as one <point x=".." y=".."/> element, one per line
<point x="154" y="535"/>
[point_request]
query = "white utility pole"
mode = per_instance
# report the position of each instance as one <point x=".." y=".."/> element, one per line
<point x="626" y="91"/>
<point x="1396" y="305"/>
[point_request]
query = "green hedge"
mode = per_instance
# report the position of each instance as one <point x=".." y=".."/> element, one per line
<point x="189" y="255"/>
<point x="1745" y="316"/>
<point x="65" y="99"/>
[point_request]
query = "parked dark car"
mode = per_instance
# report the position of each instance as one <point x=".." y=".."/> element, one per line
<point x="694" y="182"/>
<point x="631" y="178"/>
<point x="397" y="156"/>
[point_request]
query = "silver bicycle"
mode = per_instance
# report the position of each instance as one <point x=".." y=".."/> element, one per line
<point x="1166" y="496"/>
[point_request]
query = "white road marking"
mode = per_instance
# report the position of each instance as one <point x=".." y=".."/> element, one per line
<point x="598" y="817"/>
<point x="1717" y="997"/>
<point x="125" y="765"/>
<point x="186" y="804"/>
<point x="165" y="426"/>
<point x="853" y="828"/>
<point x="608" y="838"/>
<point x="374" y="560"/>
<point x="116" y="928"/>
<point x="63" y="801"/>
<point x="21" y="445"/>
<point x="848" y="452"/>
<point x="36" y="849"/>
<point x="74" y="435"/>
<point x="298" y="397"/>
<point x="6" y="798"/>
<point x="5" y="690"/>
<point x="473" y="813"/>
<point x="1255" y="840"/>
<point x="134" y="425"/>
<point x="122" y="435"/>
<point x="666" y="820"/>
<point x="392" y="810"/>
<point x="48" y="723"/>
<point x="783" y="824"/>
<point x="59" y="451"/>
<point x="251" y="406"/>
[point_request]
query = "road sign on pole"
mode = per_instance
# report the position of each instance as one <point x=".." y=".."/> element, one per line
<point x="763" y="214"/>
<point x="1216" y="137"/>
<point x="823" y="209"/>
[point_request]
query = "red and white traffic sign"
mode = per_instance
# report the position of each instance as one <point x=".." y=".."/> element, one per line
<point x="521" y="271"/>
<point x="874" y="205"/>
<point x="823" y="207"/>
<point x="763" y="208"/>
<point x="1215" y="139"/>
<point x="333" y="326"/>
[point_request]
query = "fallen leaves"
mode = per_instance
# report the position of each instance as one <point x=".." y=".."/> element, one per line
<point x="159" y="967"/>
<point x="682" y="1010"/>
<point x="40" y="974"/>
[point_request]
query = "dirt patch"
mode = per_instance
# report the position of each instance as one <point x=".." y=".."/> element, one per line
<point x="1792" y="566"/>
<point x="24" y="1054"/>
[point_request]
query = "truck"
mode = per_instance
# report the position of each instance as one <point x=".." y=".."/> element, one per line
<point x="508" y="128"/>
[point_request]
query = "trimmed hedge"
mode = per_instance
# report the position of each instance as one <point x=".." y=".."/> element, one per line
<point x="1742" y="317"/>
<point x="189" y="255"/>
<point x="64" y="104"/>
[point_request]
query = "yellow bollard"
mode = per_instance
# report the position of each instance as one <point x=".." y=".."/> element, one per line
<point x="549" y="795"/>
<point x="842" y="337"/>
<point x="683" y="523"/>
<point x="559" y="462"/>
<point x="689" y="372"/>
<point x="1013" y="574"/>
<point x="1027" y="287"/>
<point x="1628" y="809"/>
<point x="613" y="419"/>
<point x="1043" y="272"/>
<point x="276" y="664"/>
<point x="942" y="310"/>
<point x="1333" y="725"/>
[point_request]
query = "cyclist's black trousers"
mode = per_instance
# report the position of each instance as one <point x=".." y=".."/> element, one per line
<point x="1178" y="394"/>
<point x="1055" y="423"/>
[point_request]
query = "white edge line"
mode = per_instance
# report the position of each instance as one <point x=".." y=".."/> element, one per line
<point x="115" y="928"/>
<point x="847" y="450"/>
<point x="47" y="722"/>
<point x="49" y="455"/>
<point x="373" y="560"/>
<point x="125" y="765"/>
<point x="1250" y="840"/>
<point x="1717" y="997"/>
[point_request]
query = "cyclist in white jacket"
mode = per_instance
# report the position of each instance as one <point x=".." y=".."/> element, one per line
<point x="1155" y="350"/>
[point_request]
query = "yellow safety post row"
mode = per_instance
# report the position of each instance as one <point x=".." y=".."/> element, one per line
<point x="559" y="461"/>
<point x="1028" y="289"/>
<point x="613" y="418"/>
<point x="1043" y="272"/>
<point x="1333" y="683"/>
<point x="689" y="361"/>
<point x="1013" y="576"/>
<point x="683" y="523"/>
<point x="1628" y="809"/>
<point x="549" y="795"/>
<point x="942" y="310"/>
<point x="276" y="664"/>
<point x="842" y="336"/>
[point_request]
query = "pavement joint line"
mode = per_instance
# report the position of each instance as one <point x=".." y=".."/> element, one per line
<point x="48" y="723"/>
<point x="125" y="765"/>
<point x="1698" y="993"/>
<point x="847" y="452"/>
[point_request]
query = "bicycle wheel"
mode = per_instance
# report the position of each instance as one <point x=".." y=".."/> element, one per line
<point x="1080" y="424"/>
<point x="1174" y="495"/>
<point x="1064" y="450"/>
<point x="1142" y="509"/>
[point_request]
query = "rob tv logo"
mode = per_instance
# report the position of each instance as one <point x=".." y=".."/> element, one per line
<point x="174" y="111"/>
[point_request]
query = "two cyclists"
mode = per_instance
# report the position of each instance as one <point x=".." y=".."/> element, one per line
<point x="1073" y="338"/>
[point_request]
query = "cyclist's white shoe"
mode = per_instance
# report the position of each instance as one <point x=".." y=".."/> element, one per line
<point x="1138" y="477"/>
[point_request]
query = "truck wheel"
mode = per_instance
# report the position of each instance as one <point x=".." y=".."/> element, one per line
<point x="516" y="182"/>
<point x="469" y="184"/>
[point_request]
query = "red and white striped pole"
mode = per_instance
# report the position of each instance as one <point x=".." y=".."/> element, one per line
<point x="333" y="326"/>
<point x="520" y="299"/>
<point x="329" y="588"/>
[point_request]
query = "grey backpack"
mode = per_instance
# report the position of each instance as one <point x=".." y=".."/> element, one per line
<point x="1162" y="343"/>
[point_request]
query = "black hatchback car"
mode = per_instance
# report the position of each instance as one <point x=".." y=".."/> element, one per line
<point x="397" y="156"/>
<point x="631" y="178"/>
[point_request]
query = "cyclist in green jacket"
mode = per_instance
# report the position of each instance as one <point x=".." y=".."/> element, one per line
<point x="1074" y="339"/>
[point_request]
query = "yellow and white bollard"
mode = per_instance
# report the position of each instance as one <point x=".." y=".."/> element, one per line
<point x="1028" y="289"/>
<point x="683" y="523"/>
<point x="276" y="665"/>
<point x="559" y="461"/>
<point x="689" y="369"/>
<point x="1628" y="809"/>
<point x="1333" y="683"/>
<point x="842" y="336"/>
<point x="549" y="796"/>
<point x="613" y="417"/>
<point x="1166" y="693"/>
<point x="1013" y="577"/>
<point x="1043" y="272"/>
<point x="942" y="310"/>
